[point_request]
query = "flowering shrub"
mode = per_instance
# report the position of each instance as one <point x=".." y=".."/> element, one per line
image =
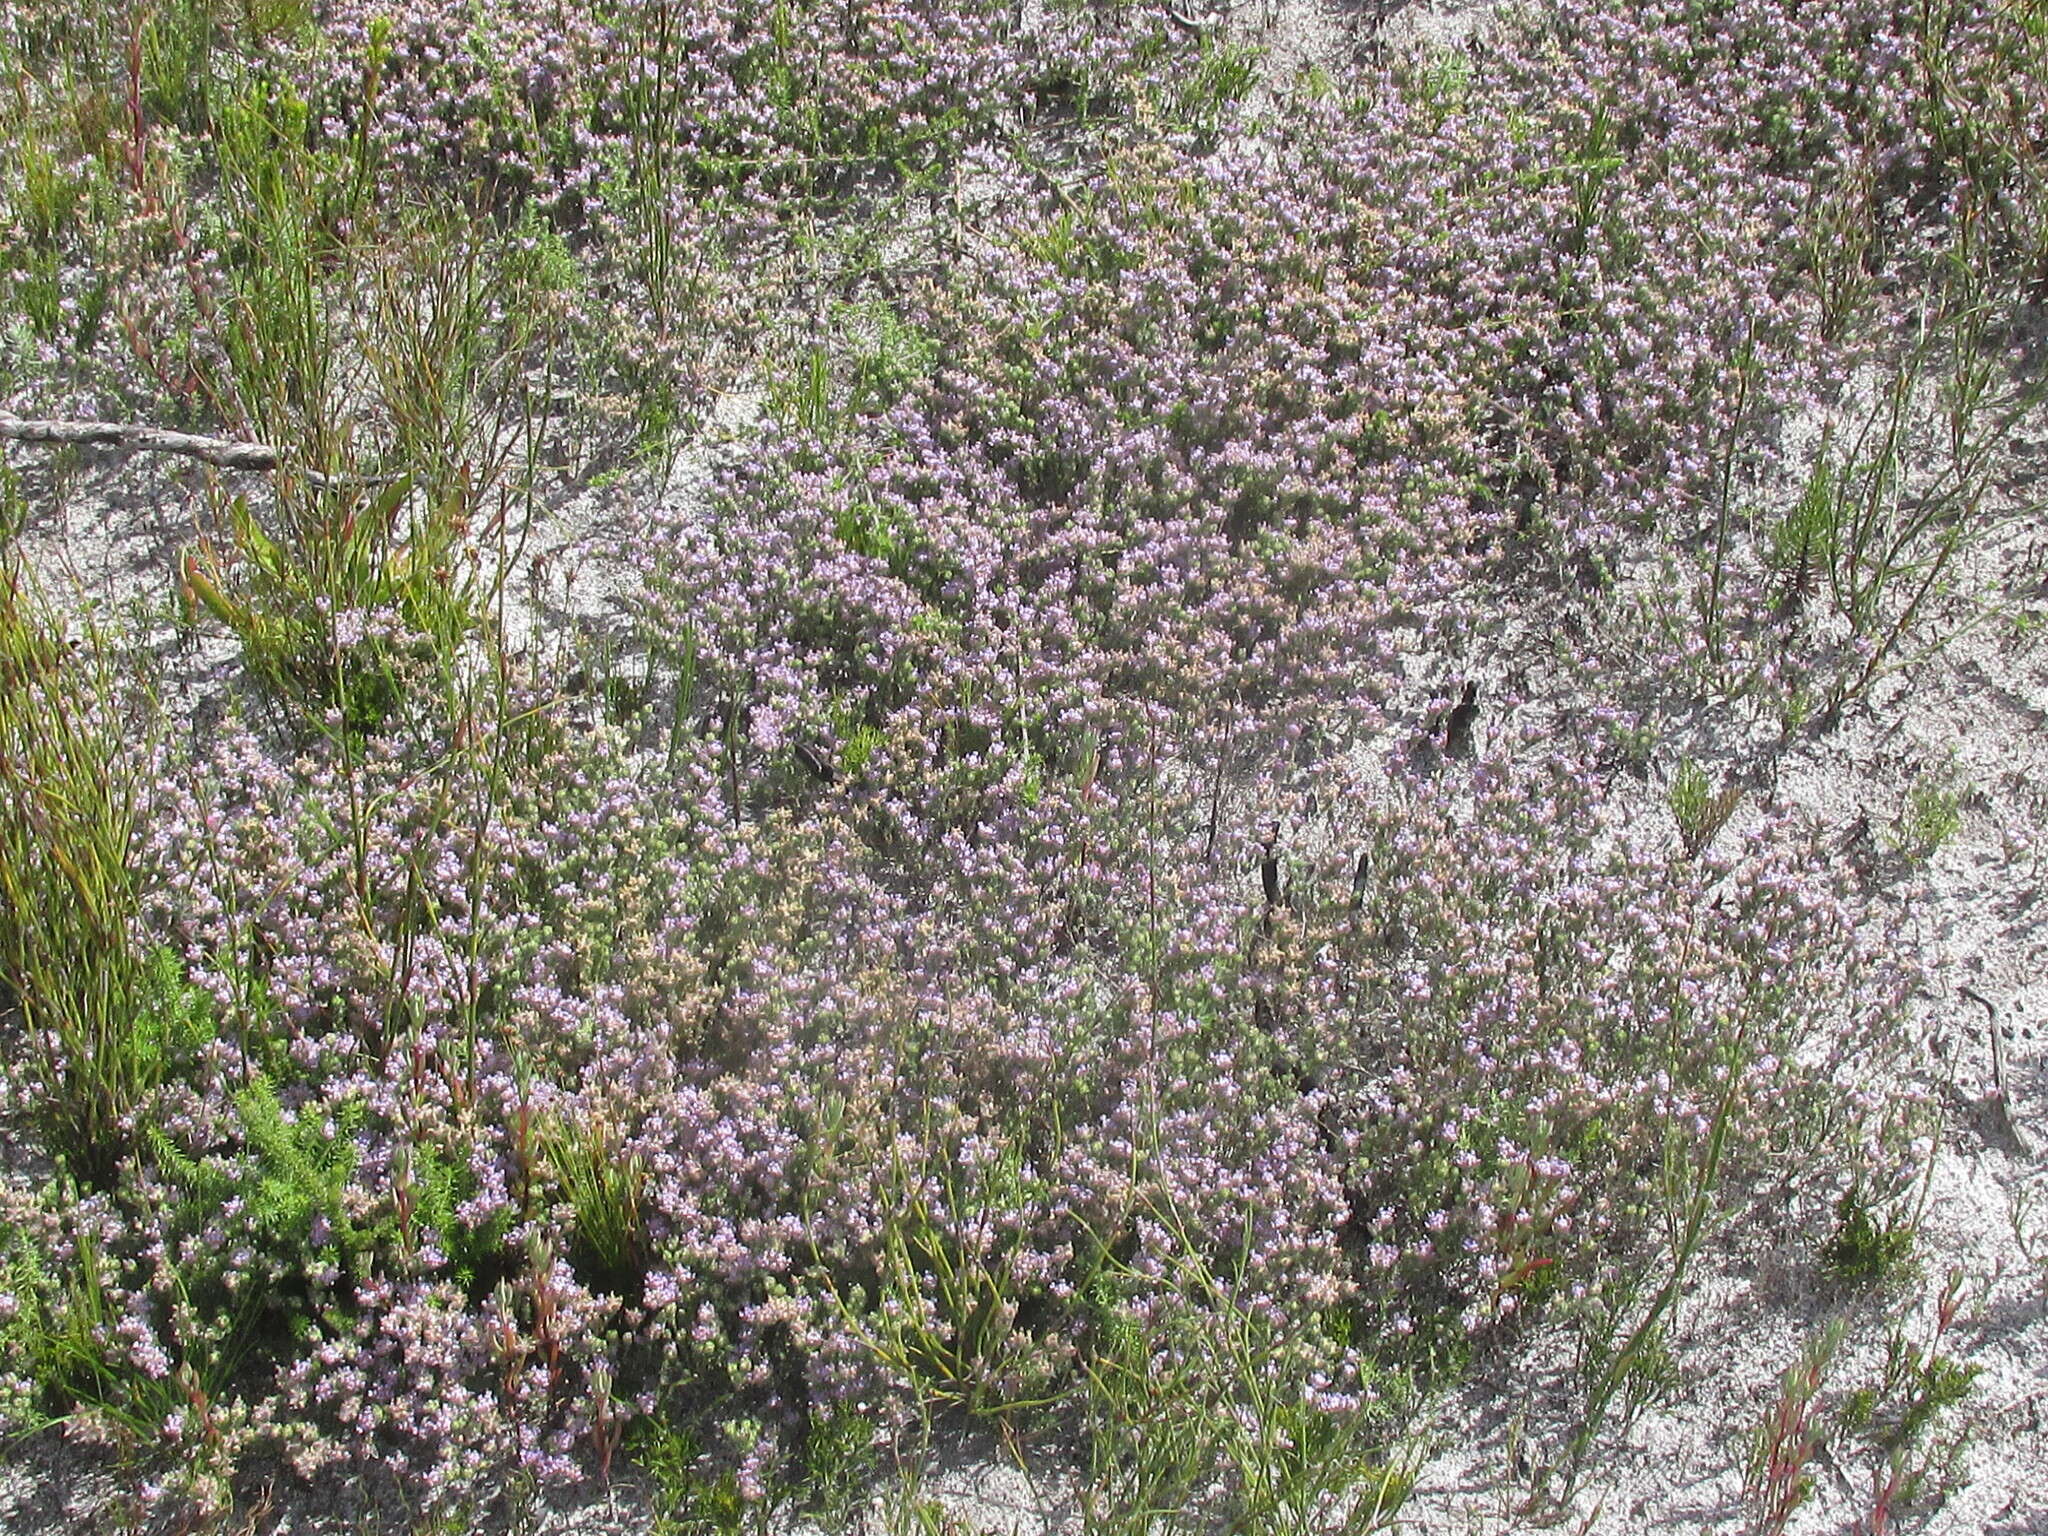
<point x="1509" y="1137"/>
<point x="1036" y="936"/>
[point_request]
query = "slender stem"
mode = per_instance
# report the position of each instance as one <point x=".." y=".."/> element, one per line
<point x="1743" y="368"/>
<point x="1688" y="1245"/>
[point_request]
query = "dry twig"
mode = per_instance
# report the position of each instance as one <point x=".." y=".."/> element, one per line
<point x="2001" y="1098"/>
<point x="221" y="452"/>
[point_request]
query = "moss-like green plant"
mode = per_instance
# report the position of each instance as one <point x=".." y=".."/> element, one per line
<point x="694" y="1494"/>
<point x="1933" y="814"/>
<point x="1801" y="546"/>
<point x="288" y="1179"/>
<point x="1699" y="808"/>
<point x="1862" y="1250"/>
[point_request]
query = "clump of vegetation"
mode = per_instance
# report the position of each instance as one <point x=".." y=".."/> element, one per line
<point x="980" y="929"/>
<point x="1932" y="815"/>
<point x="1865" y="1249"/>
<point x="1791" y="1433"/>
<point x="1700" y="809"/>
<point x="94" y="1010"/>
<point x="1909" y="1420"/>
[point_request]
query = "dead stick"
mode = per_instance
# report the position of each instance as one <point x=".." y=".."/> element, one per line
<point x="221" y="452"/>
<point x="1216" y="790"/>
<point x="1999" y="1095"/>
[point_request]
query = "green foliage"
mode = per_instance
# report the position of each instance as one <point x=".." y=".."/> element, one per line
<point x="395" y="352"/>
<point x="290" y="1171"/>
<point x="1639" y="1367"/>
<point x="887" y="356"/>
<point x="24" y="1281"/>
<point x="13" y="515"/>
<point x="428" y="1183"/>
<point x="1862" y="1251"/>
<point x="1202" y="1380"/>
<point x="68" y="1352"/>
<point x="70" y="888"/>
<point x="1148" y="1445"/>
<point x="1838" y="231"/>
<point x="62" y="1339"/>
<point x="840" y="1461"/>
<point x="1801" y="546"/>
<point x="1933" y="814"/>
<point x="858" y="740"/>
<point x="49" y="198"/>
<point x="188" y="57"/>
<point x="301" y="605"/>
<point x="1442" y="81"/>
<point x="1917" y="1387"/>
<point x="867" y="530"/>
<point x="78" y="1369"/>
<point x="174" y="1019"/>
<point x="299" y="1169"/>
<point x="694" y="1494"/>
<point x="1622" y="1373"/>
<point x="456" y="318"/>
<point x="53" y="204"/>
<point x="1789" y="1434"/>
<point x="605" y="1186"/>
<point x="1698" y="807"/>
<point x="289" y="1179"/>
<point x="1908" y="1419"/>
<point x="804" y="397"/>
<point x="1589" y="171"/>
<point x="940" y="1305"/>
<point x="283" y="206"/>
<point x="1889" y="521"/>
<point x="1889" y="507"/>
<point x="1208" y="90"/>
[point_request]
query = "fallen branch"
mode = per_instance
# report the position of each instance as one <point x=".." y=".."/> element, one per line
<point x="221" y="452"/>
<point x="2001" y="1098"/>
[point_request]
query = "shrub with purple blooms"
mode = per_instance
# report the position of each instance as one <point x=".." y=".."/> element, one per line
<point x="1020" y="907"/>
